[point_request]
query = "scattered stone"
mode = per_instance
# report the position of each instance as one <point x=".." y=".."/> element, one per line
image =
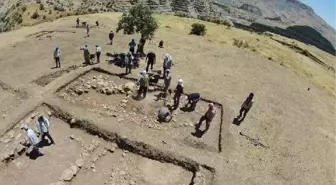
<point x="72" y="137"/>
<point x="10" y="134"/>
<point x="95" y="158"/>
<point x="132" y="182"/>
<point x="102" y="90"/>
<point x="122" y="172"/>
<point x="67" y="175"/>
<point x="123" y="154"/>
<point x="108" y="91"/>
<point x="120" y="119"/>
<point x="151" y="88"/>
<point x="79" y="91"/>
<point x="20" y="149"/>
<point x="49" y="113"/>
<point x="79" y="162"/>
<point x="74" y="169"/>
<point x="72" y="121"/>
<point x="93" y="86"/>
<point x="3" y="116"/>
<point x="93" y="166"/>
<point x="86" y="90"/>
<point x="129" y="86"/>
<point x="7" y="141"/>
<point x="111" y="147"/>
<point x="124" y="101"/>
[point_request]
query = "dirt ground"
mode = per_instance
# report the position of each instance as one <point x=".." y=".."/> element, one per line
<point x="129" y="110"/>
<point x="288" y="137"/>
<point x="73" y="145"/>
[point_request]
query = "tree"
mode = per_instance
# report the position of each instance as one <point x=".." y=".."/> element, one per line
<point x="198" y="29"/>
<point x="139" y="19"/>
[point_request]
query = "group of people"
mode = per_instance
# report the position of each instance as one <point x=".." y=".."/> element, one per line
<point x="42" y="126"/>
<point x="132" y="55"/>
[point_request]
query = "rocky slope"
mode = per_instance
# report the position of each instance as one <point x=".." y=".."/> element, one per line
<point x="286" y="15"/>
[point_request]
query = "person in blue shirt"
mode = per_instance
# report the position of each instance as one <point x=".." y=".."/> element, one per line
<point x="193" y="98"/>
<point x="43" y="128"/>
<point x="132" y="45"/>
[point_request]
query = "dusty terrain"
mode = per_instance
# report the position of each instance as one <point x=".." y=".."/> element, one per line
<point x="288" y="137"/>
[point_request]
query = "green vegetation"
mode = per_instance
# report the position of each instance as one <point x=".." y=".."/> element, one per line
<point x="35" y="15"/>
<point x="198" y="29"/>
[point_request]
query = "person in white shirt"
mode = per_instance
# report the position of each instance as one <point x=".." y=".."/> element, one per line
<point x="57" y="54"/>
<point x="33" y="139"/>
<point x="246" y="106"/>
<point x="98" y="52"/>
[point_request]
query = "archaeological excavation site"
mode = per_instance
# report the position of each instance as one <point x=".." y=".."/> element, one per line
<point x="104" y="135"/>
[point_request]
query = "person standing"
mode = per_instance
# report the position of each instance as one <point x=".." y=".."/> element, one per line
<point x="98" y="52"/>
<point x="43" y="128"/>
<point x="132" y="45"/>
<point x="129" y="63"/>
<point x="88" y="30"/>
<point x="143" y="81"/>
<point x="151" y="60"/>
<point x="178" y="93"/>
<point x="57" y="54"/>
<point x="246" y="106"/>
<point x="86" y="54"/>
<point x="33" y="139"/>
<point x="111" y="36"/>
<point x="208" y="117"/>
<point x="77" y="21"/>
<point x="167" y="63"/>
<point x="167" y="81"/>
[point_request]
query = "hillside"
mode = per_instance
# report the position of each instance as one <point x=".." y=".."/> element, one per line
<point x="288" y="136"/>
<point x="290" y="18"/>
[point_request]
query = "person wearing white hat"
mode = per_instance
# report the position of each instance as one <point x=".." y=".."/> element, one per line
<point x="111" y="36"/>
<point x="143" y="81"/>
<point x="178" y="93"/>
<point x="167" y="63"/>
<point x="33" y="139"/>
<point x="208" y="117"/>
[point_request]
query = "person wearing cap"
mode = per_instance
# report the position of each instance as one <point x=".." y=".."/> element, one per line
<point x="167" y="63"/>
<point x="33" y="139"/>
<point x="246" y="106"/>
<point x="208" y="117"/>
<point x="111" y="36"/>
<point x="178" y="93"/>
<point x="150" y="59"/>
<point x="143" y="81"/>
<point x="57" y="54"/>
<point x="193" y="98"/>
<point x="42" y="125"/>
<point x="98" y="52"/>
<point x="167" y="81"/>
<point x="128" y="62"/>
<point x="164" y="115"/>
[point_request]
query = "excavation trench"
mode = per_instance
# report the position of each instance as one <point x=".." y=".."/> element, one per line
<point x="132" y="146"/>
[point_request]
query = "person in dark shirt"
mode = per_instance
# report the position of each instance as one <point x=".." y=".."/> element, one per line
<point x="178" y="93"/>
<point x="150" y="59"/>
<point x="193" y="98"/>
<point x="77" y="21"/>
<point x="111" y="36"/>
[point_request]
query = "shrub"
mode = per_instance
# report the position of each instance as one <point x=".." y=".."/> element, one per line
<point x="35" y="15"/>
<point x="24" y="8"/>
<point x="228" y="23"/>
<point x="306" y="53"/>
<point x="68" y="14"/>
<point x="59" y="8"/>
<point x="41" y="7"/>
<point x="44" y="17"/>
<point x="240" y="43"/>
<point x="50" y="12"/>
<point x="20" y="20"/>
<point x="28" y="13"/>
<point x="198" y="29"/>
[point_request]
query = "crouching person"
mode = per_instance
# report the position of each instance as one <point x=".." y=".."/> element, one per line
<point x="164" y="115"/>
<point x="33" y="140"/>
